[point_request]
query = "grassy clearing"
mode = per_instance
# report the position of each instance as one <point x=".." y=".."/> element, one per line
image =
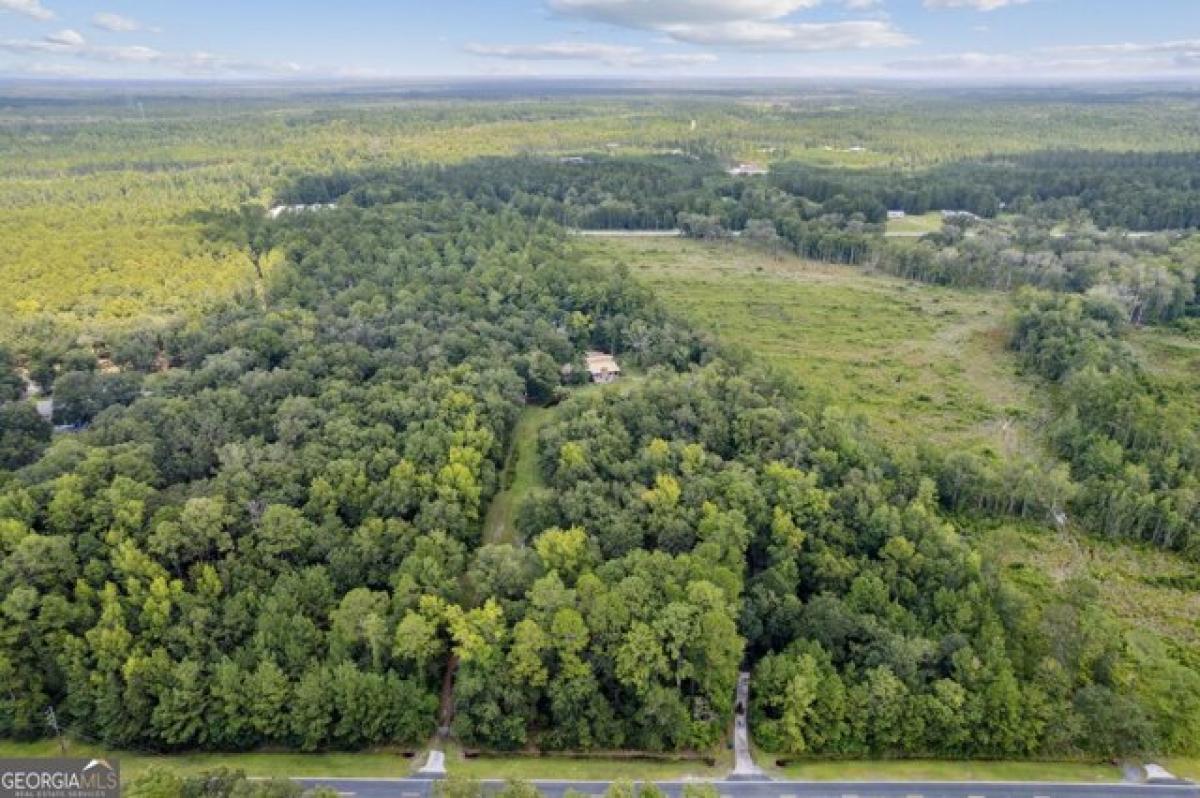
<point x="1174" y="358"/>
<point x="925" y="223"/>
<point x="521" y="475"/>
<point x="380" y="764"/>
<point x="939" y="770"/>
<point x="1147" y="588"/>
<point x="921" y="362"/>
<point x="584" y="768"/>
<point x="1187" y="768"/>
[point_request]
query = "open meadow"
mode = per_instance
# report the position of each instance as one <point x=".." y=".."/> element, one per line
<point x="924" y="363"/>
<point x="920" y="362"/>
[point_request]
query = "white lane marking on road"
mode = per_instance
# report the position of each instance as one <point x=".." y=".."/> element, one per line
<point x="788" y="795"/>
<point x="346" y="794"/>
<point x="914" y="795"/>
<point x="410" y="795"/>
<point x="849" y="795"/>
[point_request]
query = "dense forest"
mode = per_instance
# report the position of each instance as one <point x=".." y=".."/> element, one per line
<point x="1133" y="448"/>
<point x="224" y="556"/>
<point x="1134" y="191"/>
<point x="276" y="539"/>
<point x="875" y="628"/>
<point x="260" y="522"/>
<point x="1154" y="279"/>
<point x="99" y="191"/>
<point x="1155" y="191"/>
<point x="837" y="216"/>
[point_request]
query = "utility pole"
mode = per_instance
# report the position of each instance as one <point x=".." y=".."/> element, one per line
<point x="52" y="722"/>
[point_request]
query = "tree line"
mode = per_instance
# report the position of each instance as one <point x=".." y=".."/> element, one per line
<point x="276" y="541"/>
<point x="873" y="626"/>
<point x="838" y="215"/>
<point x="1134" y="191"/>
<point x="1132" y="446"/>
<point x="1156" y="279"/>
<point x="243" y="550"/>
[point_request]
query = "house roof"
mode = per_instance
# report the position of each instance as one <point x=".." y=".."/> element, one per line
<point x="600" y="362"/>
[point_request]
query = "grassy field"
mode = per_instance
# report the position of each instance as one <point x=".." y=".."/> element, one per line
<point x="521" y="475"/>
<point x="1147" y="588"/>
<point x="380" y="764"/>
<point x="921" y="362"/>
<point x="1184" y="767"/>
<point x="585" y="768"/>
<point x="383" y="764"/>
<point x="938" y="770"/>
<point x="925" y="223"/>
<point x="1174" y="357"/>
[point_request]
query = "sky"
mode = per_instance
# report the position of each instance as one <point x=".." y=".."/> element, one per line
<point x="950" y="40"/>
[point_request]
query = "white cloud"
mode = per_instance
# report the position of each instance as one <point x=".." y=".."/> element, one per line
<point x="117" y="23"/>
<point x="794" y="37"/>
<point x="742" y="24"/>
<point x="554" y="51"/>
<point x="1159" y="59"/>
<point x="1186" y="46"/>
<point x="133" y="54"/>
<point x="56" y="70"/>
<point x="957" y="62"/>
<point x="72" y="43"/>
<point x="1180" y="54"/>
<point x="673" y="59"/>
<point x="978" y="5"/>
<point x="69" y="42"/>
<point x="68" y="38"/>
<point x="202" y="62"/>
<point x="66" y="41"/>
<point x="30" y="8"/>
<point x="654" y="14"/>
<point x="609" y="54"/>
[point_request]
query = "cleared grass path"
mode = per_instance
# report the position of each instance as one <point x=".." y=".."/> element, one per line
<point x="918" y="225"/>
<point x="521" y="474"/>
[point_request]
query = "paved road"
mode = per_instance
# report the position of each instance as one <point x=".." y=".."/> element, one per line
<point x="423" y="788"/>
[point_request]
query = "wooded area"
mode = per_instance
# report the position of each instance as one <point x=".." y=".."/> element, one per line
<point x="264" y="525"/>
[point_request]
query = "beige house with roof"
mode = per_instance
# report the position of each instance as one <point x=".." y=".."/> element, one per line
<point x="602" y="367"/>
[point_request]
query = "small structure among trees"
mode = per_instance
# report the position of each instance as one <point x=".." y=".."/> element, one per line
<point x="748" y="170"/>
<point x="602" y="367"/>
